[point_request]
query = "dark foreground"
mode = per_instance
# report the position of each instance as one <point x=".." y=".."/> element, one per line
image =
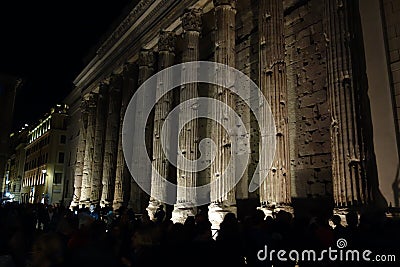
<point x="44" y="236"/>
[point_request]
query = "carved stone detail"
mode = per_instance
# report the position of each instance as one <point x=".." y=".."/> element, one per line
<point x="231" y="3"/>
<point x="122" y="180"/>
<point x="80" y="155"/>
<point x="191" y="20"/>
<point x="84" y="106"/>
<point x="89" y="149"/>
<point x="188" y="145"/>
<point x="116" y="82"/>
<point x="146" y="58"/>
<point x="98" y="149"/>
<point x="138" y="198"/>
<point x="111" y="140"/>
<point x="224" y="53"/>
<point x="166" y="41"/>
<point x="275" y="190"/>
<point x="354" y="173"/>
<point x="162" y="108"/>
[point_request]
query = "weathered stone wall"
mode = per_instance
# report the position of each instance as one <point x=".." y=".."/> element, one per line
<point x="247" y="62"/>
<point x="308" y="99"/>
<point x="306" y="76"/>
<point x="310" y="149"/>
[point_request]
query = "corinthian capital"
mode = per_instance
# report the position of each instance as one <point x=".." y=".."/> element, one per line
<point x="84" y="107"/>
<point x="166" y="41"/>
<point x="146" y="58"/>
<point x="191" y="19"/>
<point x="115" y="82"/>
<point x="231" y="3"/>
<point x="92" y="100"/>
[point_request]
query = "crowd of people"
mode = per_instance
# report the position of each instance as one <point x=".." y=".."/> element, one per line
<point x="39" y="235"/>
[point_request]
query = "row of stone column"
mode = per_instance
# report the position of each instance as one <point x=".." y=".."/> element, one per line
<point x="101" y="174"/>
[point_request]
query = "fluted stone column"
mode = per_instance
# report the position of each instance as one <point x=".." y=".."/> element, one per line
<point x="225" y="12"/>
<point x="275" y="190"/>
<point x="354" y="171"/>
<point x="138" y="198"/>
<point x="166" y="50"/>
<point x="111" y="140"/>
<point x="188" y="142"/>
<point x="98" y="149"/>
<point x="122" y="179"/>
<point x="89" y="147"/>
<point x="80" y="155"/>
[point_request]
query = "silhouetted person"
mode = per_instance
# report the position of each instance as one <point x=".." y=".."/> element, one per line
<point x="189" y="228"/>
<point x="352" y="219"/>
<point x="339" y="231"/>
<point x="203" y="248"/>
<point x="160" y="214"/>
<point x="229" y="241"/>
<point x="352" y="228"/>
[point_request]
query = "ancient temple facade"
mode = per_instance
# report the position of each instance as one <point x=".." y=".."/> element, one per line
<point x="311" y="61"/>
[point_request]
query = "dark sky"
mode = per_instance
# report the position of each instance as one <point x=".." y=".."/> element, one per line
<point x="46" y="43"/>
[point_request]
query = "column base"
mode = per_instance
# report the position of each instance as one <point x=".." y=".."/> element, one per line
<point x="342" y="214"/>
<point x="151" y="209"/>
<point x="74" y="203"/>
<point x="181" y="212"/>
<point x="105" y="203"/>
<point x="272" y="210"/>
<point x="216" y="214"/>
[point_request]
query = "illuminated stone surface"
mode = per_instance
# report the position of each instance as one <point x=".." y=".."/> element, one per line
<point x="111" y="140"/>
<point x="291" y="50"/>
<point x="188" y="142"/>
<point x="166" y="47"/>
<point x="89" y="149"/>
<point x="225" y="13"/>
<point x="275" y="190"/>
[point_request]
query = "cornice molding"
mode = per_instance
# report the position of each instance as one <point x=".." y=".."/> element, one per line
<point x="122" y="45"/>
<point x="132" y="17"/>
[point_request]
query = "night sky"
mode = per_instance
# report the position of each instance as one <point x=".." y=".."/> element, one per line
<point x="47" y="44"/>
